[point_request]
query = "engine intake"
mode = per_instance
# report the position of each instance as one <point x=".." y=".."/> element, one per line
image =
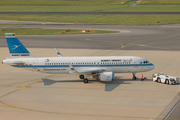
<point x="106" y="76"/>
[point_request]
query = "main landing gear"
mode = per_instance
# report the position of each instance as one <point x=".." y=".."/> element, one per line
<point x="85" y="80"/>
<point x="81" y="76"/>
<point x="134" y="76"/>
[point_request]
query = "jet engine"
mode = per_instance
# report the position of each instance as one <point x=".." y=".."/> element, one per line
<point x="106" y="76"/>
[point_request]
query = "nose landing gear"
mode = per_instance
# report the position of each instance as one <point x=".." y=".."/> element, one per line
<point x="134" y="76"/>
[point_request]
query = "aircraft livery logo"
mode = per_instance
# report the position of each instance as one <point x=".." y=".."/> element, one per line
<point x="15" y="46"/>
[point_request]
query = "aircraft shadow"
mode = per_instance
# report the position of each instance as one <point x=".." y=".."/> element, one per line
<point x="109" y="86"/>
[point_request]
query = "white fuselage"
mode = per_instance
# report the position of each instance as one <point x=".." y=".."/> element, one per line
<point x="60" y="65"/>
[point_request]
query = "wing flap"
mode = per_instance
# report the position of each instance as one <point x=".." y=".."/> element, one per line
<point x="85" y="71"/>
<point x="92" y="70"/>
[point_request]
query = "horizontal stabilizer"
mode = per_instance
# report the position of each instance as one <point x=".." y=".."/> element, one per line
<point x="12" y="62"/>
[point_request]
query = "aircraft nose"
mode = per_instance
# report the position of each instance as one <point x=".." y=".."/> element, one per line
<point x="152" y="67"/>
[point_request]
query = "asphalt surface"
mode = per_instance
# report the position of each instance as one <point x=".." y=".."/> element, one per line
<point x="171" y="112"/>
<point x="156" y="37"/>
<point x="90" y="13"/>
<point x="174" y="113"/>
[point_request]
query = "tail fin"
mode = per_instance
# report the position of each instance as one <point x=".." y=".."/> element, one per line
<point x="16" y="48"/>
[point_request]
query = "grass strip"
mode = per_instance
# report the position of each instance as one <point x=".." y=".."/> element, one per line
<point x="98" y="19"/>
<point x="10" y="24"/>
<point x="63" y="8"/>
<point x="84" y="2"/>
<point x="61" y="2"/>
<point x="159" y="2"/>
<point x="29" y="31"/>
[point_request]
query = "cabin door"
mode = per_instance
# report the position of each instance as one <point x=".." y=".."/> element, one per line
<point x="35" y="64"/>
<point x="136" y="64"/>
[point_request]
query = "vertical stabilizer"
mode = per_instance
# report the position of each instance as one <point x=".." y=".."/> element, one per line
<point x="16" y="48"/>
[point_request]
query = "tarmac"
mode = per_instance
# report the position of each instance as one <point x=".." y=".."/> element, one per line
<point x="31" y="95"/>
<point x="27" y="95"/>
<point x="155" y="37"/>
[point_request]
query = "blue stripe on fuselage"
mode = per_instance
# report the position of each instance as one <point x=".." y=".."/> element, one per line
<point x="115" y="65"/>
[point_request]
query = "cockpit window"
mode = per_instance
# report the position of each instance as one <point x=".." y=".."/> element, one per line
<point x="145" y="62"/>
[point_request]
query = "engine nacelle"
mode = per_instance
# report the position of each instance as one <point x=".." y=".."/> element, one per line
<point x="106" y="76"/>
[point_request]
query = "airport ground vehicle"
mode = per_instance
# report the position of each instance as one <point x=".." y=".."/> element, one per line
<point x="166" y="79"/>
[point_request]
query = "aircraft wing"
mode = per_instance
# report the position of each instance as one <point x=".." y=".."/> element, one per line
<point x="87" y="71"/>
<point x="91" y="70"/>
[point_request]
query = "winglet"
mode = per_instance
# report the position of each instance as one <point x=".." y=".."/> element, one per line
<point x="59" y="54"/>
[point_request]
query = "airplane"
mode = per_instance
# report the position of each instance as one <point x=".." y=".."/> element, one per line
<point x="102" y="68"/>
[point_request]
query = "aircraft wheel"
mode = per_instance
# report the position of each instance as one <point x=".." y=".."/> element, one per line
<point x="134" y="76"/>
<point x="81" y="76"/>
<point x="167" y="82"/>
<point x="85" y="80"/>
